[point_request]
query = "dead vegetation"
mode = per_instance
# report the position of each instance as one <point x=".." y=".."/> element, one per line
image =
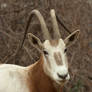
<point x="75" y="14"/>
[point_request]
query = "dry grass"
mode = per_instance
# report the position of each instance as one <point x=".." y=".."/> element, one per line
<point x="75" y="14"/>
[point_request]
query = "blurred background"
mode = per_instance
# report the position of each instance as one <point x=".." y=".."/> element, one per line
<point x="75" y="14"/>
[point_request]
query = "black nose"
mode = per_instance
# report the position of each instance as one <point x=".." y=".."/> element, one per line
<point x="62" y="76"/>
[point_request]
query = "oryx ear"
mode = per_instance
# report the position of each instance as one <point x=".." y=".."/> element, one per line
<point x="35" y="41"/>
<point x="72" y="38"/>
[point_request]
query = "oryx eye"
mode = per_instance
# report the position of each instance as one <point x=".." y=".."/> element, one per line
<point x="65" y="50"/>
<point x="45" y="52"/>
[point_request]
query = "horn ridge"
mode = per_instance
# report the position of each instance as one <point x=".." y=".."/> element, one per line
<point x="43" y="27"/>
<point x="55" y="24"/>
<point x="43" y="24"/>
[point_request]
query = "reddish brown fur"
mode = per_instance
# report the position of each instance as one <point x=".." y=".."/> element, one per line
<point x="38" y="81"/>
<point x="54" y="42"/>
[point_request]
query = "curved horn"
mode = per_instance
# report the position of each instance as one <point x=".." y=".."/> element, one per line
<point x="42" y="22"/>
<point x="43" y="27"/>
<point x="55" y="25"/>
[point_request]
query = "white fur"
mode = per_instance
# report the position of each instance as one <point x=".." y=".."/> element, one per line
<point x="13" y="78"/>
<point x="61" y="69"/>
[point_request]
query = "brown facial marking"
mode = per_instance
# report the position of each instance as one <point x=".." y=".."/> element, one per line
<point x="54" y="42"/>
<point x="58" y="58"/>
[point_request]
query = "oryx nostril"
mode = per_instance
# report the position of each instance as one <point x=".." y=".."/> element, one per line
<point x="62" y="76"/>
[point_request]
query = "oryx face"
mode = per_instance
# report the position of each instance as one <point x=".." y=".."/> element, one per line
<point x="55" y="60"/>
<point x="55" y="63"/>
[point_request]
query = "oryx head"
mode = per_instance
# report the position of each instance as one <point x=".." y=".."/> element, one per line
<point x="53" y="50"/>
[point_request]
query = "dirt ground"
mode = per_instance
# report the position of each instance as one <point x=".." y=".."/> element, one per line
<point x="75" y="14"/>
